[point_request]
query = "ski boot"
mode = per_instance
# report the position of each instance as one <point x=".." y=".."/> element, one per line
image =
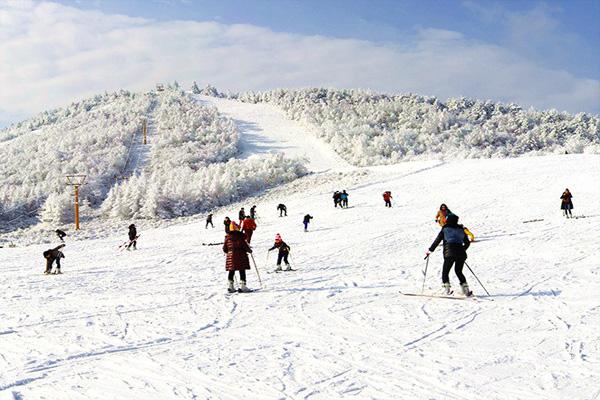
<point x="47" y="272"/>
<point x="447" y="289"/>
<point x="57" y="271"/>
<point x="465" y="289"/>
<point x="278" y="269"/>
<point x="243" y="288"/>
<point x="230" y="288"/>
<point x="288" y="268"/>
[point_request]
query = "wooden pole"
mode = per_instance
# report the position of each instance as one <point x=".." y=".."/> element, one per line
<point x="76" y="207"/>
<point x="145" y="129"/>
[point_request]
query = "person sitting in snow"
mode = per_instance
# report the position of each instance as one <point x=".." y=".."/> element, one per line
<point x="284" y="252"/>
<point x="248" y="228"/>
<point x="52" y="255"/>
<point x="306" y="221"/>
<point x="237" y="249"/>
<point x="282" y="209"/>
<point x="456" y="244"/>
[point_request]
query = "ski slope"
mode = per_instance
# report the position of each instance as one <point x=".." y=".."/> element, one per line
<point x="264" y="129"/>
<point x="156" y="323"/>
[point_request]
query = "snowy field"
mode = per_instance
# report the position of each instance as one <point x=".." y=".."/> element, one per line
<point x="157" y="324"/>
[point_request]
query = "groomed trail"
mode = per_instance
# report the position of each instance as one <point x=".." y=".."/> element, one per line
<point x="156" y="323"/>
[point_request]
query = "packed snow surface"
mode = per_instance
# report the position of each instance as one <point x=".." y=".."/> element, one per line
<point x="157" y="323"/>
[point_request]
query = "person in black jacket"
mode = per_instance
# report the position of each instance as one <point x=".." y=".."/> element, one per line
<point x="209" y="221"/>
<point x="284" y="252"/>
<point x="61" y="235"/>
<point x="227" y="223"/>
<point x="306" y="221"/>
<point x="456" y="244"/>
<point x="242" y="215"/>
<point x="52" y="255"/>
<point x="282" y="209"/>
<point x="132" y="237"/>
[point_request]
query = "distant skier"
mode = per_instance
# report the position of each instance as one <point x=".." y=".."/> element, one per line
<point x="236" y="248"/>
<point x="442" y="214"/>
<point x="132" y="237"/>
<point x="242" y="215"/>
<point x="387" y="197"/>
<point x="227" y="223"/>
<point x="61" y="235"/>
<point x="209" y="221"/>
<point x="456" y="244"/>
<point x="248" y="228"/>
<point x="282" y="210"/>
<point x="52" y="255"/>
<point x="306" y="221"/>
<point x="344" y="199"/>
<point x="284" y="252"/>
<point x="253" y="212"/>
<point x="566" y="204"/>
<point x="336" y="198"/>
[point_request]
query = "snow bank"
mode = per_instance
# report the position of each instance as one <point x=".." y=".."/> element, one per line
<point x="367" y="128"/>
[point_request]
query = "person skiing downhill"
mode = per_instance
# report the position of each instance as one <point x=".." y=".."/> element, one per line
<point x="227" y="223"/>
<point x="455" y="245"/>
<point x="387" y="197"/>
<point x="566" y="203"/>
<point x="284" y="252"/>
<point x="237" y="249"/>
<point x="61" y="235"/>
<point x="306" y="221"/>
<point x="344" y="199"/>
<point x="248" y="228"/>
<point x="336" y="198"/>
<point x="132" y="237"/>
<point x="209" y="221"/>
<point x="52" y="255"/>
<point x="282" y="209"/>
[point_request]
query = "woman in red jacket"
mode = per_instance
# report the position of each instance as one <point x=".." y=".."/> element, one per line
<point x="237" y="250"/>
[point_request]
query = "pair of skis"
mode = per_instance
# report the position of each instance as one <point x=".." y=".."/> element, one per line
<point x="126" y="244"/>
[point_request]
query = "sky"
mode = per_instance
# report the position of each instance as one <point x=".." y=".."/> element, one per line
<point x="543" y="54"/>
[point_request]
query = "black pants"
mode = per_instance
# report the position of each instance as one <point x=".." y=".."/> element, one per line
<point x="132" y="243"/>
<point x="242" y="275"/>
<point x="345" y="203"/>
<point x="281" y="212"/>
<point x="284" y="257"/>
<point x="388" y="203"/>
<point x="209" y="222"/>
<point x="458" y="266"/>
<point x="50" y="261"/>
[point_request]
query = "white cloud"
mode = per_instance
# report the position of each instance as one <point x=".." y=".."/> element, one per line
<point x="51" y="54"/>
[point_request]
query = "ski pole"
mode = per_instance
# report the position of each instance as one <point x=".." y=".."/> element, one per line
<point x="256" y="269"/>
<point x="488" y="293"/>
<point x="425" y="272"/>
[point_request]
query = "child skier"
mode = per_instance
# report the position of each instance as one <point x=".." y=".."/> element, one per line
<point x="456" y="244"/>
<point x="248" y="228"/>
<point x="52" y="255"/>
<point x="209" y="221"/>
<point x="282" y="209"/>
<point x="132" y="237"/>
<point x="61" y="235"/>
<point x="306" y="221"/>
<point x="344" y="199"/>
<point x="237" y="250"/>
<point x="284" y="251"/>
<point x="387" y="197"/>
<point x="566" y="204"/>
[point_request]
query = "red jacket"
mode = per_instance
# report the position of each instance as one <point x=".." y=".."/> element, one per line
<point x="387" y="196"/>
<point x="248" y="225"/>
<point x="236" y="248"/>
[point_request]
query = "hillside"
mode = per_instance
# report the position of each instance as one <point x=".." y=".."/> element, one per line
<point x="156" y="323"/>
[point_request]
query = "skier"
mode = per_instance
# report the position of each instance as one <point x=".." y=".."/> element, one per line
<point x="61" y="235"/>
<point x="306" y="221"/>
<point x="387" y="197"/>
<point x="236" y="249"/>
<point x="456" y="244"/>
<point x="284" y="251"/>
<point x="52" y="255"/>
<point x="336" y="198"/>
<point x="282" y="209"/>
<point x="241" y="215"/>
<point x="227" y="223"/>
<point x="132" y="237"/>
<point x="566" y="204"/>
<point x="209" y="221"/>
<point x="442" y="214"/>
<point x="248" y="228"/>
<point x="344" y="199"/>
<point x="253" y="212"/>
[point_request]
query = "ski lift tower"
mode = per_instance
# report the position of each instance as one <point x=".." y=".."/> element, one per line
<point x="76" y="181"/>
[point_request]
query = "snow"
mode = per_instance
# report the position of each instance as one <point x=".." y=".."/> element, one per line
<point x="156" y="323"/>
<point x="266" y="129"/>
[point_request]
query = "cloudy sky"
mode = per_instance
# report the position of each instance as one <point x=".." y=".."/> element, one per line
<point x="541" y="54"/>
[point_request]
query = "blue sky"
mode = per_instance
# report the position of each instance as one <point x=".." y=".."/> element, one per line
<point x="542" y="54"/>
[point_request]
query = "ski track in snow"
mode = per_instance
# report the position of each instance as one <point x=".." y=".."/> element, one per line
<point x="157" y="323"/>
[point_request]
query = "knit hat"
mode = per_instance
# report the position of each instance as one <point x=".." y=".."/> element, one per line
<point x="233" y="227"/>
